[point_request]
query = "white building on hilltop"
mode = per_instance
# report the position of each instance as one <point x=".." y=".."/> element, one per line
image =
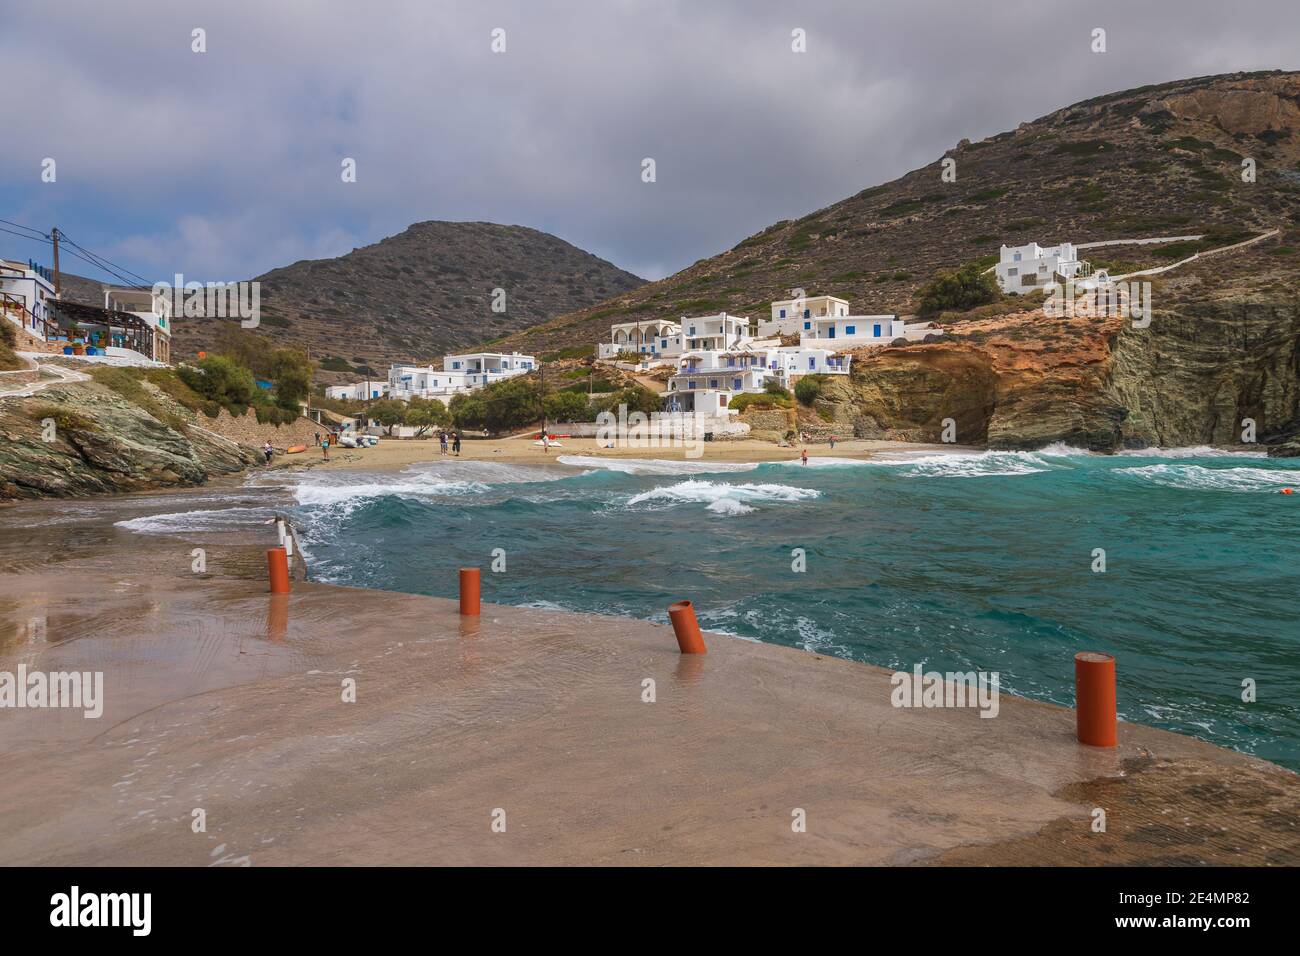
<point x="1024" y="268"/>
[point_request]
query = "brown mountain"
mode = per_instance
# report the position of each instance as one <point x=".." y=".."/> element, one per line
<point x="1164" y="160"/>
<point x="413" y="296"/>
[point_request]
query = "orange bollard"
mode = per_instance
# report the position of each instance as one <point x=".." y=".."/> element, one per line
<point x="1094" y="699"/>
<point x="277" y="566"/>
<point x="469" y="591"/>
<point x="687" y="629"/>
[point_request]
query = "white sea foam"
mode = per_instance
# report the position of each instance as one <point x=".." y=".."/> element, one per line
<point x="655" y="466"/>
<point x="1200" y="478"/>
<point x="1198" y="451"/>
<point x="184" y="522"/>
<point x="425" y="480"/>
<point x="825" y="461"/>
<point x="966" y="465"/>
<point x="721" y="497"/>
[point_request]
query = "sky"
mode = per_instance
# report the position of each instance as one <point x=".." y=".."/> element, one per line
<point x="226" y="163"/>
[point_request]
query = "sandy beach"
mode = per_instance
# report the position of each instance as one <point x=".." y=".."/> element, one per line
<point x="393" y="453"/>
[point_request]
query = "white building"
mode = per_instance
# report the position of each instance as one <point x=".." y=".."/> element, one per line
<point x="459" y="374"/>
<point x="789" y="315"/>
<point x="720" y="331"/>
<point x="660" y="338"/>
<point x="856" y="330"/>
<point x="25" y="290"/>
<point x="152" y="309"/>
<point x="708" y="379"/>
<point x="1023" y="268"/>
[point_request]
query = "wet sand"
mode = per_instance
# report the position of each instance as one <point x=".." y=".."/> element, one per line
<point x="223" y="698"/>
<point x="393" y="454"/>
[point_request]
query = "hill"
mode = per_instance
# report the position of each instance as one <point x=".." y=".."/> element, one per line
<point x="1163" y="160"/>
<point x="413" y="296"/>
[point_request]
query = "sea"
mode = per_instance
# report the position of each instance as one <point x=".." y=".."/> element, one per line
<point x="1182" y="563"/>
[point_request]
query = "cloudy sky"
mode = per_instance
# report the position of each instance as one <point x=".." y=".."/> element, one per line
<point x="227" y="163"/>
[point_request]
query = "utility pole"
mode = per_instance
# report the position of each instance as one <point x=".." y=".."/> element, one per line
<point x="541" y="371"/>
<point x="58" y="282"/>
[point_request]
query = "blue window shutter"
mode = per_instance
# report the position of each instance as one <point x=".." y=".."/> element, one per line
<point x="807" y="325"/>
<point x="850" y="330"/>
<point x="807" y="312"/>
<point x="876" y="330"/>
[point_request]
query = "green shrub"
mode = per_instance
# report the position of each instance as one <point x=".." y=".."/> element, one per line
<point x="958" y="291"/>
<point x="759" y="400"/>
<point x="808" y="388"/>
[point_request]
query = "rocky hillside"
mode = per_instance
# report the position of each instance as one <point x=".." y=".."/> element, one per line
<point x="412" y="296"/>
<point x="104" y="442"/>
<point x="1165" y="160"/>
<point x="418" y="294"/>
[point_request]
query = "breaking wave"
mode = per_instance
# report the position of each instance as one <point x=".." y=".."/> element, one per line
<point x="650" y="466"/>
<point x="723" y="498"/>
<point x="1200" y="478"/>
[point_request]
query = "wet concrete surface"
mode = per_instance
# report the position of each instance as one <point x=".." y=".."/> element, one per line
<point x="222" y="698"/>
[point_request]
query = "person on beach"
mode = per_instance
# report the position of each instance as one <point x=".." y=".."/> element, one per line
<point x="455" y="443"/>
<point x="325" y="447"/>
<point x="268" y="451"/>
<point x="318" y="438"/>
<point x="804" y="456"/>
<point x="832" y="443"/>
<point x="546" y="444"/>
<point x="442" y="441"/>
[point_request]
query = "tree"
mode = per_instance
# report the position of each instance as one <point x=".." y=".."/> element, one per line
<point x="566" y="407"/>
<point x="467" y="410"/>
<point x="958" y="291"/>
<point x="221" y="379"/>
<point x="388" y="412"/>
<point x="291" y="371"/>
<point x="510" y="404"/>
<point x="423" y="414"/>
<point x="637" y="398"/>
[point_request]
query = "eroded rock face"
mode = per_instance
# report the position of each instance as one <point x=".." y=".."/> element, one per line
<point x="102" y="443"/>
<point x="1194" y="376"/>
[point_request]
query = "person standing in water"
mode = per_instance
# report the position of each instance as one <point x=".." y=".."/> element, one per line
<point x="803" y="457"/>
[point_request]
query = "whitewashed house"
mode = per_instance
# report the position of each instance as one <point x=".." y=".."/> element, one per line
<point x="789" y="315"/>
<point x="460" y="373"/>
<point x="720" y="331"/>
<point x="708" y="379"/>
<point x="1024" y="268"/>
<point x="659" y="338"/>
<point x="153" y="309"/>
<point x="857" y="330"/>
<point x="26" y="295"/>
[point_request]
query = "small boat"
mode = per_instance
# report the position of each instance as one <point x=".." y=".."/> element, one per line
<point x="295" y="449"/>
<point x="548" y="444"/>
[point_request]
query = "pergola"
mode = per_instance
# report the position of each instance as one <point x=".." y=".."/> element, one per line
<point x="122" y="328"/>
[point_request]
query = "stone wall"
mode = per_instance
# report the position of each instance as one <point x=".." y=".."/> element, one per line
<point x="246" y="430"/>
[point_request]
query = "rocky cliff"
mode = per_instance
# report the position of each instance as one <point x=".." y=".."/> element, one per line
<point x="101" y="442"/>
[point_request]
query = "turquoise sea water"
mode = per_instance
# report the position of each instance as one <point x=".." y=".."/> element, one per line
<point x="957" y="562"/>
